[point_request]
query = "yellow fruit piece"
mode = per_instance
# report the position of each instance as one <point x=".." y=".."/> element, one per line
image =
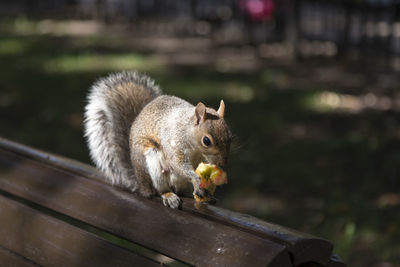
<point x="218" y="176"/>
<point x="210" y="176"/>
<point x="211" y="172"/>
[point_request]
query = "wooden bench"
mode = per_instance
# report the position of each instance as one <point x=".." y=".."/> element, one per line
<point x="58" y="212"/>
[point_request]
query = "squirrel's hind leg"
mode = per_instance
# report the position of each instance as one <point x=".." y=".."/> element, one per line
<point x="157" y="169"/>
<point x="159" y="172"/>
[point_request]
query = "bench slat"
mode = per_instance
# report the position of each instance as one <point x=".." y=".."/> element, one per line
<point x="51" y="242"/>
<point x="303" y="247"/>
<point x="175" y="233"/>
<point x="12" y="259"/>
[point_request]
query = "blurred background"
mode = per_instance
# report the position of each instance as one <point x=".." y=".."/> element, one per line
<point x="311" y="88"/>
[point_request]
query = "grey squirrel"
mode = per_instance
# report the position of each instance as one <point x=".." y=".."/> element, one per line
<point x="151" y="143"/>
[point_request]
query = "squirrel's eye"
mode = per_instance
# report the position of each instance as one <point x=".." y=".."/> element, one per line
<point x="206" y="141"/>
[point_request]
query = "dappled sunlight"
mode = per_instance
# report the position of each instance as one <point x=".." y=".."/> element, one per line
<point x="24" y="26"/>
<point x="329" y="101"/>
<point x="238" y="93"/>
<point x="70" y="27"/>
<point x="101" y="62"/>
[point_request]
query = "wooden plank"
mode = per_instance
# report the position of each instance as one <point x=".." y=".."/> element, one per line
<point x="11" y="259"/>
<point x="175" y="233"/>
<point x="51" y="242"/>
<point x="58" y="161"/>
<point x="302" y="247"/>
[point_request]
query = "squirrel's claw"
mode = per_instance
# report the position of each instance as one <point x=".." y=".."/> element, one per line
<point x="171" y="200"/>
<point x="201" y="193"/>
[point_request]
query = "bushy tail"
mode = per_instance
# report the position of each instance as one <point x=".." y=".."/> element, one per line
<point x="113" y="104"/>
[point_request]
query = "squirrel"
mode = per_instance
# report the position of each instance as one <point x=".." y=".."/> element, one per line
<point x="151" y="143"/>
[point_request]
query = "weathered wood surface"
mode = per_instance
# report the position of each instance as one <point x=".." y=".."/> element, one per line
<point x="51" y="242"/>
<point x="174" y="233"/>
<point x="11" y="259"/>
<point x="198" y="236"/>
<point x="303" y="247"/>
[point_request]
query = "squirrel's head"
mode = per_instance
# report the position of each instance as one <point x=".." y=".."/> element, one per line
<point x="212" y="134"/>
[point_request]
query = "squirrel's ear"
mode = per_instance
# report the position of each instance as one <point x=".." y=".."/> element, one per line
<point x="200" y="113"/>
<point x="221" y="109"/>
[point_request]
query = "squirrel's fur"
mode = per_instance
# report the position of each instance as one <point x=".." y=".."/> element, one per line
<point x="151" y="143"/>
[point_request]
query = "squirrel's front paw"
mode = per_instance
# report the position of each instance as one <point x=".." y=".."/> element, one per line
<point x="171" y="200"/>
<point x="201" y="193"/>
